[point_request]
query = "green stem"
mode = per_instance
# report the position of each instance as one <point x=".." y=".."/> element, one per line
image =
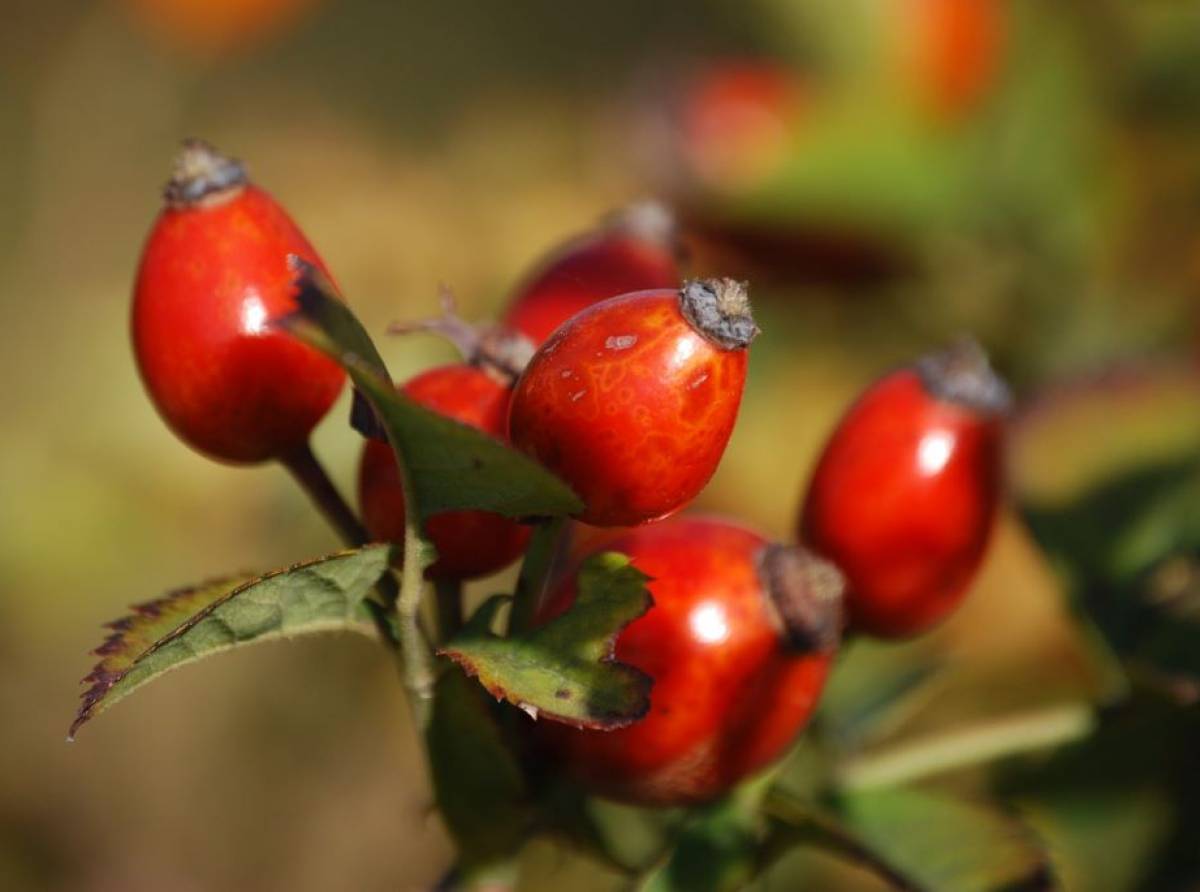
<point x="449" y="607"/>
<point x="416" y="655"/>
<point x="416" y="659"/>
<point x="539" y="558"/>
<point x="798" y="824"/>
<point x="969" y="746"/>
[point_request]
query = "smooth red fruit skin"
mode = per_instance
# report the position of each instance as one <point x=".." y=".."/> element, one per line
<point x="211" y="279"/>
<point x="631" y="406"/>
<point x="903" y="500"/>
<point x="728" y="697"/>
<point x="586" y="271"/>
<point x="468" y="543"/>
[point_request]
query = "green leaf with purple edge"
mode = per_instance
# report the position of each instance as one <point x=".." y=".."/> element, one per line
<point x="452" y="466"/>
<point x="322" y="595"/>
<point x="565" y="669"/>
<point x="874" y="689"/>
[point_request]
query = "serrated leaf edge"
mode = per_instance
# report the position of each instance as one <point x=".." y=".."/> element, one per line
<point x="102" y="681"/>
<point x="637" y="677"/>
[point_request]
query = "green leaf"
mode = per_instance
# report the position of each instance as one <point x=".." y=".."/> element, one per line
<point x="797" y="823"/>
<point x="480" y="789"/>
<point x="1119" y="528"/>
<point x="565" y="670"/>
<point x="629" y="839"/>
<point x="630" y="836"/>
<point x="322" y="595"/>
<point x="966" y="746"/>
<point x="1118" y="508"/>
<point x="717" y="850"/>
<point x="1131" y="551"/>
<point x="941" y="844"/>
<point x="451" y="466"/>
<point x="874" y="689"/>
<point x="1118" y="809"/>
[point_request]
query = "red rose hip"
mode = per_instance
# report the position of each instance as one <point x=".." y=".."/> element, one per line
<point x="738" y="642"/>
<point x="214" y="273"/>
<point x="632" y="401"/>
<point x="468" y="543"/>
<point x="636" y="249"/>
<point x="903" y="499"/>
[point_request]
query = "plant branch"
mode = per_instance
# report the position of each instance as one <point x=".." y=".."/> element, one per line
<point x="307" y="470"/>
<point x="973" y="745"/>
<point x="417" y="661"/>
<point x="539" y="558"/>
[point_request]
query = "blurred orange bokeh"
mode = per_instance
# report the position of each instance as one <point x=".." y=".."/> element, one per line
<point x="739" y="118"/>
<point x="952" y="50"/>
<point x="217" y="26"/>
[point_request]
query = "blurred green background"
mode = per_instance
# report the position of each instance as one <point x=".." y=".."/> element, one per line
<point x="1053" y="213"/>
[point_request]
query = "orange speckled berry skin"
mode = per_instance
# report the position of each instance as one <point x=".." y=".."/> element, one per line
<point x="903" y="500"/>
<point x="631" y="406"/>
<point x="468" y="543"/>
<point x="587" y="271"/>
<point x="728" y="697"/>
<point x="211" y="279"/>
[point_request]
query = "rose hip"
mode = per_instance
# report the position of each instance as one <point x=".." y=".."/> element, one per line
<point x="904" y="496"/>
<point x="632" y="401"/>
<point x="634" y="250"/>
<point x="738" y="642"/>
<point x="468" y="543"/>
<point x="214" y="273"/>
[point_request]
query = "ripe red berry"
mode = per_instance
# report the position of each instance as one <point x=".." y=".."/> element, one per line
<point x="632" y="401"/>
<point x="904" y="497"/>
<point x="214" y="273"/>
<point x="468" y="543"/>
<point x="635" y="250"/>
<point x="738" y="642"/>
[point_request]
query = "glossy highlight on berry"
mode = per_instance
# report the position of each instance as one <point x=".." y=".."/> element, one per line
<point x="738" y="642"/>
<point x="904" y="497"/>
<point x="214" y="273"/>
